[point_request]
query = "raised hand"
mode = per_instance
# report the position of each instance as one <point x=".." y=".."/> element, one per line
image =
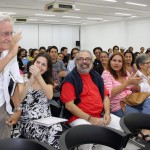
<point x="35" y="71"/>
<point x="14" y="44"/>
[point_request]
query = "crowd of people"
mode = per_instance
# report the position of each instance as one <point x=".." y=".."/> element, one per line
<point x="89" y="87"/>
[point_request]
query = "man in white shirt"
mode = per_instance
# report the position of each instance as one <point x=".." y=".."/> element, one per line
<point x="8" y="66"/>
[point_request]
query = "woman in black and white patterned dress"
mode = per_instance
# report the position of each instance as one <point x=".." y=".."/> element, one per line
<point x="35" y="95"/>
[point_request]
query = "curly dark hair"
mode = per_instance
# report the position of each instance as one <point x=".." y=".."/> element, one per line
<point x="47" y="76"/>
<point x="123" y="72"/>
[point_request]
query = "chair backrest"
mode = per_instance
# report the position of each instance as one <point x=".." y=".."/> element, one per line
<point x="135" y="121"/>
<point x="23" y="144"/>
<point x="86" y="134"/>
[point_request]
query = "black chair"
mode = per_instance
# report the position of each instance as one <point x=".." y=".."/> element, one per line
<point x="23" y="144"/>
<point x="133" y="123"/>
<point x="90" y="134"/>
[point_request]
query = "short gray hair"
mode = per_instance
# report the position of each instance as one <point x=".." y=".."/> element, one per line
<point x="5" y="18"/>
<point x="141" y="59"/>
<point x="91" y="55"/>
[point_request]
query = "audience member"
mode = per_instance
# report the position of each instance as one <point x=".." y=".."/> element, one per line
<point x="115" y="49"/>
<point x="35" y="95"/>
<point x="64" y="51"/>
<point x="87" y="96"/>
<point x="129" y="62"/>
<point x="148" y="52"/>
<point x="118" y="82"/>
<point x="22" y="54"/>
<point x="130" y="49"/>
<point x="142" y="50"/>
<point x="122" y="49"/>
<point x="104" y="56"/>
<point x="110" y="52"/>
<point x="33" y="54"/>
<point x="60" y="56"/>
<point x="42" y="49"/>
<point x="143" y="65"/>
<point x="71" y="63"/>
<point x="96" y="52"/>
<point x="60" y="70"/>
<point x="8" y="65"/>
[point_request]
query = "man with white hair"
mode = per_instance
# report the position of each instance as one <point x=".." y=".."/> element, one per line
<point x="8" y="69"/>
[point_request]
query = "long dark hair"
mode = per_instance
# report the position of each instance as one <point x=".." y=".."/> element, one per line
<point x="47" y="76"/>
<point x="123" y="72"/>
<point x="128" y="51"/>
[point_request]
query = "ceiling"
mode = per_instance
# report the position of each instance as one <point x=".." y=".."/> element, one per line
<point x="88" y="11"/>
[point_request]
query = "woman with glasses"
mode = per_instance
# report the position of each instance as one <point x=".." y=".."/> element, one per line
<point x="143" y="65"/>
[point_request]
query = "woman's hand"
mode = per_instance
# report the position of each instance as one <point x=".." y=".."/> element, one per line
<point x="35" y="71"/>
<point x="134" y="80"/>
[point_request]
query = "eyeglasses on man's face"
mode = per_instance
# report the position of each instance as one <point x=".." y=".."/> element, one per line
<point x="87" y="59"/>
<point x="6" y="34"/>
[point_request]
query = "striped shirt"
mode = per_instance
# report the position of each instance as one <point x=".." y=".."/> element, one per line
<point x="110" y="83"/>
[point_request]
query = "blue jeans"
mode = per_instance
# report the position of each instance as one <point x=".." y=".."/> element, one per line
<point x="119" y="113"/>
<point x="142" y="108"/>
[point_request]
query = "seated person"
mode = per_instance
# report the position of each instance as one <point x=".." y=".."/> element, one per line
<point x="35" y="95"/>
<point x="84" y="94"/>
<point x="118" y="82"/>
<point x="71" y="63"/>
<point x="129" y="62"/>
<point x="143" y="65"/>
<point x="59" y="69"/>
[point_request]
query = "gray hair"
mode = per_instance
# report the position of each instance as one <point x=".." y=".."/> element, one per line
<point x="141" y="59"/>
<point x="5" y="18"/>
<point x="91" y="55"/>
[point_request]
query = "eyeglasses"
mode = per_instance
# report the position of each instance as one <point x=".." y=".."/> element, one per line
<point x="147" y="63"/>
<point x="6" y="34"/>
<point x="87" y="59"/>
<point x="103" y="57"/>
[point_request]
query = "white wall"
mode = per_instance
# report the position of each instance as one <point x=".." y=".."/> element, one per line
<point x="36" y="35"/>
<point x="126" y="33"/>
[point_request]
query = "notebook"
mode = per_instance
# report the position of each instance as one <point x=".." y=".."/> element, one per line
<point x="49" y="121"/>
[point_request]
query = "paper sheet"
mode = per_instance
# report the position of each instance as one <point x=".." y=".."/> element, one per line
<point x="49" y="121"/>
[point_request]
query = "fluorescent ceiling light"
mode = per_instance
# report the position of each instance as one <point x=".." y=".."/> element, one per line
<point x="73" y="22"/>
<point x="32" y="19"/>
<point x="123" y="14"/>
<point x="110" y="1"/>
<point x="44" y="15"/>
<point x="52" y="20"/>
<point x="71" y="17"/>
<point x="136" y="4"/>
<point x="95" y="18"/>
<point x="9" y="13"/>
<point x="134" y="16"/>
<point x="77" y="9"/>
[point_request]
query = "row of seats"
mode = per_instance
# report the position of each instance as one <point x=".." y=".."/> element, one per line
<point x="85" y="134"/>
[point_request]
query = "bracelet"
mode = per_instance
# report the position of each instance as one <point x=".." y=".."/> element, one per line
<point x="89" y="118"/>
<point x="18" y="108"/>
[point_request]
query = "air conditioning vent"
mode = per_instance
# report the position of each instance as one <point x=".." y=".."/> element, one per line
<point x="20" y="20"/>
<point x="59" y="7"/>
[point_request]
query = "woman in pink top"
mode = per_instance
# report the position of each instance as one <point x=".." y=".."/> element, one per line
<point x="118" y="82"/>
